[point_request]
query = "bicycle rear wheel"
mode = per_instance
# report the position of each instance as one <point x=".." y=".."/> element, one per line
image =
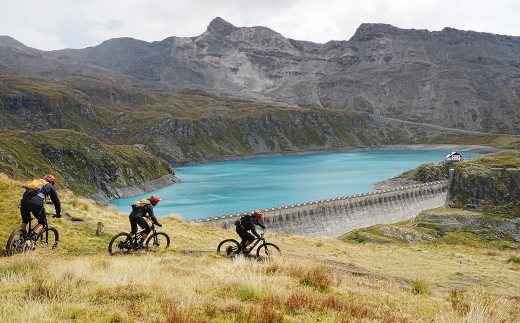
<point x="267" y="250"/>
<point x="229" y="248"/>
<point x="121" y="243"/>
<point x="48" y="237"/>
<point x="157" y="241"/>
<point x="15" y="243"/>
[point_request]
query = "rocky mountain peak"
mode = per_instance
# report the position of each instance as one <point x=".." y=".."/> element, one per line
<point x="372" y="31"/>
<point x="221" y="27"/>
<point x="7" y="41"/>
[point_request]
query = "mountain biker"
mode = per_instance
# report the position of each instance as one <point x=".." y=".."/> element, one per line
<point x="248" y="223"/>
<point x="34" y="203"/>
<point x="139" y="210"/>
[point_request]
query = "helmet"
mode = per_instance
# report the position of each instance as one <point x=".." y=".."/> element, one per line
<point x="155" y="199"/>
<point x="51" y="179"/>
<point x="258" y="214"/>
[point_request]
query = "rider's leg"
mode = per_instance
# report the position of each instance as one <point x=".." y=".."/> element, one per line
<point x="133" y="228"/>
<point x="25" y="212"/>
<point x="38" y="228"/>
<point x="41" y="215"/>
<point x="245" y="236"/>
<point x="249" y="238"/>
<point x="146" y="227"/>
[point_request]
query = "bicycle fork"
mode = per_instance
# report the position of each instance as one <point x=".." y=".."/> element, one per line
<point x="44" y="238"/>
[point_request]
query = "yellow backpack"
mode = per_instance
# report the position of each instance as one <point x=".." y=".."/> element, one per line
<point x="35" y="186"/>
<point x="140" y="203"/>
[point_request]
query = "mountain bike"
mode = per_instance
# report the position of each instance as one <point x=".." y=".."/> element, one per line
<point x="20" y="239"/>
<point x="123" y="242"/>
<point x="231" y="248"/>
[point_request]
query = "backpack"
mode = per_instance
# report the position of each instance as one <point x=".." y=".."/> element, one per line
<point x="35" y="187"/>
<point x="244" y="220"/>
<point x="140" y="204"/>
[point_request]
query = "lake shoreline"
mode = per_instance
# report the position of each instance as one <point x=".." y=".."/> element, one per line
<point x="447" y="147"/>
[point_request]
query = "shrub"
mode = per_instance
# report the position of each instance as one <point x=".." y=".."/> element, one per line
<point x="514" y="259"/>
<point x="420" y="286"/>
<point x="317" y="277"/>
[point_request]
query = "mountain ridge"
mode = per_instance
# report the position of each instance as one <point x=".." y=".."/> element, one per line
<point x="449" y="72"/>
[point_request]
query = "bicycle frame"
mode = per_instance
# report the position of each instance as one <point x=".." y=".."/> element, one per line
<point x="20" y="238"/>
<point x="139" y="234"/>
<point x="231" y="248"/>
<point x="253" y="244"/>
<point x="123" y="242"/>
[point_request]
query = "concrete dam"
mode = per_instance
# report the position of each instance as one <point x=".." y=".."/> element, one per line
<point x="336" y="216"/>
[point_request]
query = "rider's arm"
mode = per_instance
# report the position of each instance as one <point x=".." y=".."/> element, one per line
<point x="253" y="231"/>
<point x="149" y="210"/>
<point x="256" y="222"/>
<point x="53" y="194"/>
<point x="253" y="227"/>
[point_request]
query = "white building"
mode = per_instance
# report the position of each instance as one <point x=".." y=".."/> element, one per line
<point x="454" y="156"/>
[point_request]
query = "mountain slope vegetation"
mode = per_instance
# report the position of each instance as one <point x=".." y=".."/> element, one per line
<point x="81" y="163"/>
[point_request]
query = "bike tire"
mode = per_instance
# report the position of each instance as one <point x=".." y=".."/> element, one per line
<point x="159" y="240"/>
<point x="15" y="246"/>
<point x="229" y="248"/>
<point x="121" y="243"/>
<point x="48" y="237"/>
<point x="267" y="250"/>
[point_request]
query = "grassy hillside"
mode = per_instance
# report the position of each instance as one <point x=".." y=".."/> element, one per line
<point x="81" y="163"/>
<point x="314" y="280"/>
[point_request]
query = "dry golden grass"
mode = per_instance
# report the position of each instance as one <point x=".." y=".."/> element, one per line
<point x="313" y="281"/>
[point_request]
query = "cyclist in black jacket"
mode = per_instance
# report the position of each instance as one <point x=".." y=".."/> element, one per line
<point x="248" y="223"/>
<point x="34" y="203"/>
<point x="139" y="210"/>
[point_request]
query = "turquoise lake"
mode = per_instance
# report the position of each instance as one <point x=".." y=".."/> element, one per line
<point x="228" y="187"/>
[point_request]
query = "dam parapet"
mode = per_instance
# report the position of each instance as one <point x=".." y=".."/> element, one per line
<point x="336" y="216"/>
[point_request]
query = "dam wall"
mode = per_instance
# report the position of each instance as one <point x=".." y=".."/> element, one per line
<point x="337" y="216"/>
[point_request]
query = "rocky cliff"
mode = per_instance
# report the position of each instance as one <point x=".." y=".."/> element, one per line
<point x="451" y="78"/>
<point x="488" y="183"/>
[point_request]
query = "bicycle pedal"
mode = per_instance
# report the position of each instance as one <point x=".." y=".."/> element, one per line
<point x="29" y="245"/>
<point x="139" y="247"/>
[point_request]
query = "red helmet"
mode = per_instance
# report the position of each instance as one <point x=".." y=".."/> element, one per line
<point x="51" y="179"/>
<point x="155" y="199"/>
<point x="258" y="214"/>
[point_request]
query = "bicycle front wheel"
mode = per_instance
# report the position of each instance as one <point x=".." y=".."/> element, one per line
<point x="48" y="237"/>
<point x="268" y="250"/>
<point x="157" y="241"/>
<point x="121" y="243"/>
<point x="229" y="248"/>
<point x="15" y="243"/>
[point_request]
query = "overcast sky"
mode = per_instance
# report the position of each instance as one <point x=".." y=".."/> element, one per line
<point x="58" y="24"/>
